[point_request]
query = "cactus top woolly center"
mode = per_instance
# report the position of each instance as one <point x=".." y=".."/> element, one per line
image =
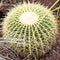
<point x="28" y="18"/>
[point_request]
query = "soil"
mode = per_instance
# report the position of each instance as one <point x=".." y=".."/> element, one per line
<point x="54" y="54"/>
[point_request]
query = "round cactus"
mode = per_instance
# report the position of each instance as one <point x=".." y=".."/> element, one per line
<point x="31" y="28"/>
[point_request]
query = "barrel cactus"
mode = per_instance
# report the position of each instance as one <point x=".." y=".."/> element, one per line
<point x="31" y="28"/>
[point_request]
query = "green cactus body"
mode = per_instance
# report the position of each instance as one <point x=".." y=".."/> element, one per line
<point x="31" y="28"/>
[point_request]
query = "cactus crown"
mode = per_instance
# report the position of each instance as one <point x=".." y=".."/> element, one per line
<point x="34" y="26"/>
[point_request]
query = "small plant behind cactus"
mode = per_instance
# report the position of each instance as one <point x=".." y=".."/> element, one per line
<point x="30" y="30"/>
